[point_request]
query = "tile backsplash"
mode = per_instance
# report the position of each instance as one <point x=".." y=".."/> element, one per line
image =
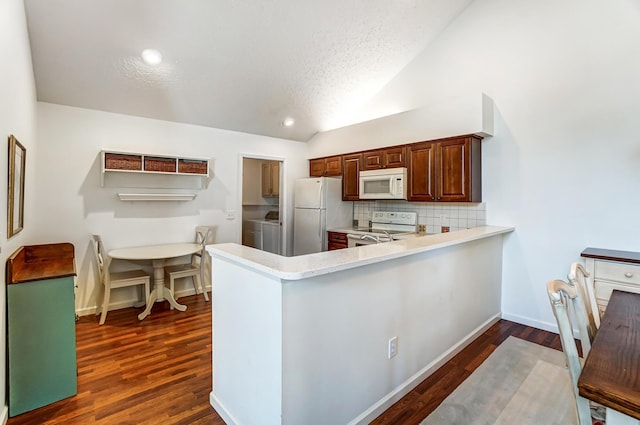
<point x="455" y="216"/>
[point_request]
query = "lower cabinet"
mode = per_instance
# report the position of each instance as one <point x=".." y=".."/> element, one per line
<point x="609" y="270"/>
<point x="262" y="234"/>
<point x="252" y="234"/>
<point x="271" y="237"/>
<point x="337" y="240"/>
<point x="41" y="333"/>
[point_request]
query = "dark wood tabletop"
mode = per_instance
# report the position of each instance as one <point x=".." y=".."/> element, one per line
<point x="611" y="373"/>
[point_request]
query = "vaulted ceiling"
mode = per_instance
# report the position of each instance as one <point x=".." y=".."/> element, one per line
<point x="242" y="65"/>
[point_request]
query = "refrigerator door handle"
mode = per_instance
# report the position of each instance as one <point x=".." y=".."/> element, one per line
<point x="320" y="226"/>
<point x="319" y="195"/>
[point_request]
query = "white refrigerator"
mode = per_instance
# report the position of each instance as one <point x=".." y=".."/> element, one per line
<point x="318" y="207"/>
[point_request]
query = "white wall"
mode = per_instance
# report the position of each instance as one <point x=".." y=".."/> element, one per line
<point x="564" y="164"/>
<point x="71" y="204"/>
<point x="17" y="117"/>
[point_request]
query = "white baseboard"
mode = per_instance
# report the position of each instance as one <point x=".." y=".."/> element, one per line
<point x="4" y="415"/>
<point x="221" y="410"/>
<point x="545" y="326"/>
<point x="403" y="389"/>
<point x="130" y="303"/>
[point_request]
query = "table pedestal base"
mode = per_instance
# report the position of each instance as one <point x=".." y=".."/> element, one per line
<point x="160" y="292"/>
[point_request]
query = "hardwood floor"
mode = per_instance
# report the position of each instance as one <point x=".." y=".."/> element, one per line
<point x="422" y="400"/>
<point x="155" y="371"/>
<point x="158" y="371"/>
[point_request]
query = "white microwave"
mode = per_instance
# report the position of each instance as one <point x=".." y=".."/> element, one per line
<point x="387" y="183"/>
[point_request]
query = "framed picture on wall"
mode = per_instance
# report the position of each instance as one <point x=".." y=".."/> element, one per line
<point x="15" y="195"/>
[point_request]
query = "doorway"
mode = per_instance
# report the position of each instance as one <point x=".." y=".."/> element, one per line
<point x="262" y="203"/>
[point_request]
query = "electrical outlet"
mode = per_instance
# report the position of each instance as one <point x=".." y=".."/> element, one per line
<point x="231" y="215"/>
<point x="444" y="220"/>
<point x="393" y="347"/>
<point x="422" y="228"/>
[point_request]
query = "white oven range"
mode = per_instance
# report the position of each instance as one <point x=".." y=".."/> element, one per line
<point x="386" y="226"/>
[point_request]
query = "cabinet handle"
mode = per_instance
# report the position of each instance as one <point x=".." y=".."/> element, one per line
<point x="438" y="198"/>
<point x="628" y="274"/>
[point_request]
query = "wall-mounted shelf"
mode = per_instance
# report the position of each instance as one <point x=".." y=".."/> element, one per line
<point x="157" y="196"/>
<point x="150" y="164"/>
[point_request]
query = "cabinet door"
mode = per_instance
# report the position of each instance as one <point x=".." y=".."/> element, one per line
<point x="271" y="237"/>
<point x="275" y="178"/>
<point x="452" y="170"/>
<point x="372" y="160"/>
<point x="384" y="158"/>
<point x="395" y="157"/>
<point x="41" y="343"/>
<point x="337" y="240"/>
<point x="455" y="163"/>
<point x="316" y="167"/>
<point x="266" y="179"/>
<point x="333" y="166"/>
<point x="257" y="236"/>
<point x="350" y="177"/>
<point x="421" y="172"/>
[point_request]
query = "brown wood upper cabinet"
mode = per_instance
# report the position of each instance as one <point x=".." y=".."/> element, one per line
<point x="270" y="179"/>
<point x="350" y="177"/>
<point x="326" y="167"/>
<point x="446" y="170"/>
<point x="385" y="158"/>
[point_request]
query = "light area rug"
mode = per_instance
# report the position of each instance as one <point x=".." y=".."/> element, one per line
<point x="519" y="383"/>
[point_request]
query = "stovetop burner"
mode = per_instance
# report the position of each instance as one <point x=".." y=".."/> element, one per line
<point x="380" y="231"/>
<point x="391" y="222"/>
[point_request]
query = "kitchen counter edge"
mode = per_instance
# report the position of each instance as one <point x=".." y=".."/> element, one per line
<point x="305" y="266"/>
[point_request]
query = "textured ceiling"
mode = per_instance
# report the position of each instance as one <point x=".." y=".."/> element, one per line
<point x="230" y="64"/>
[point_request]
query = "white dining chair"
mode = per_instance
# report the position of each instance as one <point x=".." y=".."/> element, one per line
<point x="208" y="234"/>
<point x="580" y="278"/>
<point x="117" y="280"/>
<point x="564" y="297"/>
<point x="194" y="269"/>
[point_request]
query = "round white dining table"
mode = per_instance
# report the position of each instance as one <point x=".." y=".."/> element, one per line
<point x="158" y="254"/>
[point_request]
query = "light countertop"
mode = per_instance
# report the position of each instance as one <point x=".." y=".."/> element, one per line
<point x="304" y="266"/>
<point x="262" y="220"/>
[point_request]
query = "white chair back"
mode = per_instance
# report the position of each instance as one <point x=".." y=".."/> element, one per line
<point x="562" y="297"/>
<point x="580" y="278"/>
<point x="102" y="259"/>
<point x="206" y="236"/>
<point x="116" y="280"/>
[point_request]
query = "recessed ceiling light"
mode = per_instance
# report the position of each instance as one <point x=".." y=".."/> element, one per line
<point x="288" y="122"/>
<point x="151" y="56"/>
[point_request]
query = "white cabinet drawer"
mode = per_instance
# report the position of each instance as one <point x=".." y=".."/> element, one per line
<point x="618" y="272"/>
<point x="603" y="290"/>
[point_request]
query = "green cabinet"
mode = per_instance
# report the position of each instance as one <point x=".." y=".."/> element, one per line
<point x="41" y="338"/>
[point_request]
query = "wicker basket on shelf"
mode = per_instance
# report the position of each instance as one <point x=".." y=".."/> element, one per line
<point x="192" y="166"/>
<point x="166" y="165"/>
<point x="113" y="161"/>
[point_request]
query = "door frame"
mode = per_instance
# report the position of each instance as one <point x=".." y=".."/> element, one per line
<point x="282" y="198"/>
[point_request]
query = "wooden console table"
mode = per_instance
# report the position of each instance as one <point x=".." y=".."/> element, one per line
<point x="41" y="333"/>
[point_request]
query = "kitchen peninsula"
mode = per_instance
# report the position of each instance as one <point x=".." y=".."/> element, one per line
<point x="307" y="339"/>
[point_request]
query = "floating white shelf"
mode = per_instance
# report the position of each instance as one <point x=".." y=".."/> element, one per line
<point x="157" y="196"/>
<point x="131" y="163"/>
